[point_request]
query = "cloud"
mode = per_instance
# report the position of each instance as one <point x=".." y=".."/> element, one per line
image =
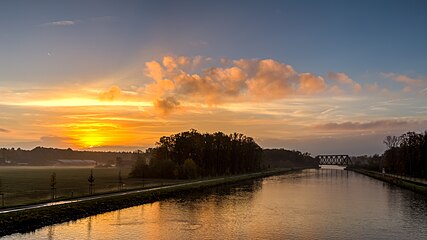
<point x="371" y="125"/>
<point x="268" y="79"/>
<point x="374" y="87"/>
<point x="54" y="140"/>
<point x="340" y="77"/>
<point x="113" y="94"/>
<point x="154" y="70"/>
<point x="47" y="141"/>
<point x="409" y="83"/>
<point x="311" y="83"/>
<point x="230" y="81"/>
<point x="2" y="130"/>
<point x="403" y="79"/>
<point x="344" y="79"/>
<point x="170" y="63"/>
<point x="166" y="105"/>
<point x="63" y="23"/>
<point x="352" y="145"/>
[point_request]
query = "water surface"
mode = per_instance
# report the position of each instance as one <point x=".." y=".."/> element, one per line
<point x="311" y="204"/>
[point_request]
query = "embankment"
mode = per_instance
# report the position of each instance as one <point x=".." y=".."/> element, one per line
<point x="31" y="219"/>
<point x="411" y="185"/>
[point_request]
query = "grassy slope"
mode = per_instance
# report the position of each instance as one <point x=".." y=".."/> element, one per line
<point x="396" y="181"/>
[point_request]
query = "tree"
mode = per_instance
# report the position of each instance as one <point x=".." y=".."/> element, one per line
<point x="120" y="180"/>
<point x="190" y="169"/>
<point x="53" y="185"/>
<point x="91" y="181"/>
<point x="119" y="162"/>
<point x="213" y="154"/>
<point x="407" y="154"/>
<point x="392" y="141"/>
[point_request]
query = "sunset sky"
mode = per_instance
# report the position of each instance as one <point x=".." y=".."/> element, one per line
<point x="316" y="76"/>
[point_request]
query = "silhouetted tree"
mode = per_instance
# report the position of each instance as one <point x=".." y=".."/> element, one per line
<point x="392" y="141"/>
<point x="406" y="154"/>
<point x="190" y="169"/>
<point x="119" y="162"/>
<point x="91" y="181"/>
<point x="120" y="180"/>
<point x="53" y="185"/>
<point x="212" y="155"/>
<point x="287" y="158"/>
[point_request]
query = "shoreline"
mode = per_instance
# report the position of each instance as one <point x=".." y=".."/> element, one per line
<point x="26" y="220"/>
<point x="407" y="184"/>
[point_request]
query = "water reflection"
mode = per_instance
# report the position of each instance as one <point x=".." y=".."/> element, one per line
<point x="310" y="204"/>
<point x="89" y="227"/>
<point x="51" y="233"/>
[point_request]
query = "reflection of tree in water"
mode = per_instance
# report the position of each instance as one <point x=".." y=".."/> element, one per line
<point x="119" y="215"/>
<point x="89" y="227"/>
<point x="243" y="191"/>
<point x="51" y="232"/>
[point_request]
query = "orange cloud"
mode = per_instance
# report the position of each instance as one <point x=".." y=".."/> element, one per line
<point x="344" y="79"/>
<point x="180" y="80"/>
<point x="311" y="83"/>
<point x="239" y="80"/>
<point x="154" y="70"/>
<point x="170" y="63"/>
<point x="270" y="80"/>
<point x="113" y="94"/>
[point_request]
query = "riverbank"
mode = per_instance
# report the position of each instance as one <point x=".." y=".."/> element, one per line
<point x="408" y="184"/>
<point x="26" y="220"/>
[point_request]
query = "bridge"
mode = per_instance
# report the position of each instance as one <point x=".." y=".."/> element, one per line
<point x="341" y="160"/>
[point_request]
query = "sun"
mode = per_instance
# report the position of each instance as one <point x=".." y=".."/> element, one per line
<point x="92" y="134"/>
<point x="92" y="140"/>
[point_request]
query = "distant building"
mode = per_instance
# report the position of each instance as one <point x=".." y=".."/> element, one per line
<point x="75" y="162"/>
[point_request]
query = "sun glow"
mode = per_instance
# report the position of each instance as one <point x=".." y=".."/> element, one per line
<point x="71" y="102"/>
<point x="93" y="134"/>
<point x="92" y="140"/>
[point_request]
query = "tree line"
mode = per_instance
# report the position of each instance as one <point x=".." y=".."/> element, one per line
<point x="277" y="158"/>
<point x="192" y="154"/>
<point x="405" y="155"/>
<point x="48" y="156"/>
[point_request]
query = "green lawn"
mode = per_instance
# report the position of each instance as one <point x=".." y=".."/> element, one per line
<point x="24" y="185"/>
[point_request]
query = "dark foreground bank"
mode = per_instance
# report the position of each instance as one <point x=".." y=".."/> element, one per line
<point x="32" y="219"/>
<point x="411" y="185"/>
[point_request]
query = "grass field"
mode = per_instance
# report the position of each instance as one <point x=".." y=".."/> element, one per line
<point x="24" y="185"/>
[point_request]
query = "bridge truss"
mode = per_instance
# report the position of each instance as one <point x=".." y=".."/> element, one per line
<point x="342" y="160"/>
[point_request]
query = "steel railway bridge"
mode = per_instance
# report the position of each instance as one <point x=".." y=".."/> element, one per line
<point x="340" y="160"/>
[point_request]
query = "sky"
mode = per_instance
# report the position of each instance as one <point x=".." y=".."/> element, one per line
<point x="325" y="77"/>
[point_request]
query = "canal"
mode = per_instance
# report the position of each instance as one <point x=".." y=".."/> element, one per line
<point x="310" y="204"/>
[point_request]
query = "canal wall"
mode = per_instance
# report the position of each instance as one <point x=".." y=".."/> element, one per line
<point x="26" y="220"/>
<point x="401" y="182"/>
